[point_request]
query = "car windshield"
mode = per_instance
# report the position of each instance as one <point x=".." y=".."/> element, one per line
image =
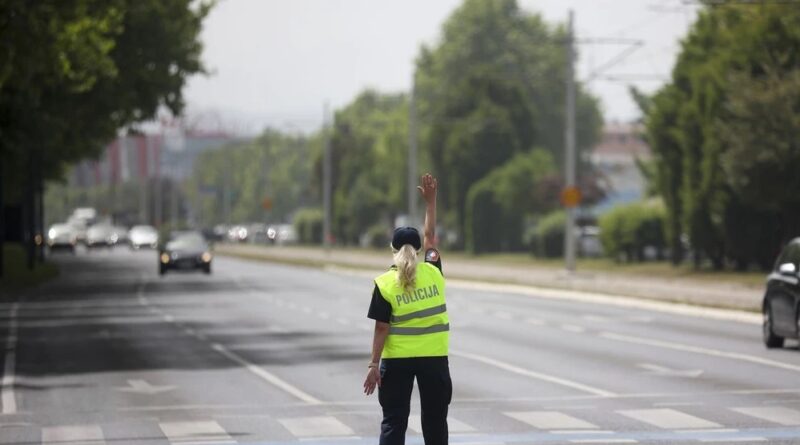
<point x="187" y="241"/>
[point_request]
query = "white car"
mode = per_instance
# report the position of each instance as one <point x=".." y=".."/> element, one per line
<point x="100" y="235"/>
<point x="143" y="236"/>
<point x="61" y="236"/>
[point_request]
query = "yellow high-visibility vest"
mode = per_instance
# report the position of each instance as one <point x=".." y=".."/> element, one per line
<point x="419" y="326"/>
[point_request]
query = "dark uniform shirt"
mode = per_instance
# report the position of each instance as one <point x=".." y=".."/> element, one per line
<point x="379" y="308"/>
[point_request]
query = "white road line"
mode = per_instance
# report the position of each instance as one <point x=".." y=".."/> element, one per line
<point x="607" y="440"/>
<point x="197" y="432"/>
<point x="700" y="350"/>
<point x="534" y="321"/>
<point x="343" y="321"/>
<point x="503" y="315"/>
<point x="7" y="395"/>
<point x="734" y="439"/>
<point x="453" y="425"/>
<point x="73" y="435"/>
<point x="668" y="418"/>
<point x="611" y="300"/>
<point x="324" y="315"/>
<point x="550" y="420"/>
<point x="532" y="374"/>
<point x="573" y="328"/>
<point x="775" y="414"/>
<point x="666" y="404"/>
<point x="267" y="376"/>
<point x="326" y="426"/>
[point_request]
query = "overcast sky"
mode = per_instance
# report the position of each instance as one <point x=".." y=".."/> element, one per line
<point x="276" y="62"/>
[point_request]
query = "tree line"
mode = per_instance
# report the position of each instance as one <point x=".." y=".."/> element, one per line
<point x="489" y="102"/>
<point x="725" y="134"/>
<point x="74" y="72"/>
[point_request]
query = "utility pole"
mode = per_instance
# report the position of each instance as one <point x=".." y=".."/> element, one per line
<point x="326" y="181"/>
<point x="412" y="154"/>
<point x="158" y="189"/>
<point x="569" y="141"/>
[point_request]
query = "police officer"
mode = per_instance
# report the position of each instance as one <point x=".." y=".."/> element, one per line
<point x="412" y="333"/>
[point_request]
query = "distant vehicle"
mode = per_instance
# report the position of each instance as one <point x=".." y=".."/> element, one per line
<point x="282" y="234"/>
<point x="61" y="236"/>
<point x="237" y="234"/>
<point x="781" y="304"/>
<point x="100" y="235"/>
<point x="143" y="236"/>
<point x="85" y="213"/>
<point x="119" y="235"/>
<point x="79" y="227"/>
<point x="185" y="251"/>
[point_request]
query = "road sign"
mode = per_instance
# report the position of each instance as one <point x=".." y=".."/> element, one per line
<point x="570" y="197"/>
<point x="266" y="204"/>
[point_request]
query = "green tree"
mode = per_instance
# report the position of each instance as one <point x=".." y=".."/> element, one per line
<point x="730" y="105"/>
<point x="493" y="87"/>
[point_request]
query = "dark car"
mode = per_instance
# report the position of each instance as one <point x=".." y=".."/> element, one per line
<point x="185" y="251"/>
<point x="781" y="306"/>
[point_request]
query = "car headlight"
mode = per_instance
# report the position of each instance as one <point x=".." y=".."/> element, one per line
<point x="164" y="258"/>
<point x="51" y="233"/>
<point x="206" y="257"/>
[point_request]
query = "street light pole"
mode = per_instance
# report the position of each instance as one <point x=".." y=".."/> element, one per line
<point x="412" y="154"/>
<point x="569" y="140"/>
<point x="326" y="181"/>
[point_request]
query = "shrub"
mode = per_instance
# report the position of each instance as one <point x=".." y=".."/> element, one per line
<point x="308" y="225"/>
<point x="626" y="230"/>
<point x="549" y="235"/>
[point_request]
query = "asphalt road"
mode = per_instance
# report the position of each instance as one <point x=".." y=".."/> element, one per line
<point x="269" y="354"/>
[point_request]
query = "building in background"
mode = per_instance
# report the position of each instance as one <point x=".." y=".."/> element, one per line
<point x="153" y="165"/>
<point x="614" y="157"/>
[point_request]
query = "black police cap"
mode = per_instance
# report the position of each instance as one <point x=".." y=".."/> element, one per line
<point x="406" y="235"/>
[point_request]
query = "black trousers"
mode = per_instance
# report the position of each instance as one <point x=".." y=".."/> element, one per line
<point x="394" y="394"/>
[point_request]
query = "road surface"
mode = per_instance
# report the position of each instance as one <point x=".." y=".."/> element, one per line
<point x="261" y="353"/>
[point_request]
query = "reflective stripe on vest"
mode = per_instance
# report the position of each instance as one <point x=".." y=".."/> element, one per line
<point x="419" y="331"/>
<point x="419" y="324"/>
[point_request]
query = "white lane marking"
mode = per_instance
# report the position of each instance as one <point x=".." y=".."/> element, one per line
<point x="550" y="420"/>
<point x="169" y="318"/>
<point x="73" y="435"/>
<point x="607" y="440"/>
<point x="709" y="431"/>
<point x="775" y="414"/>
<point x="198" y="432"/>
<point x="324" y="315"/>
<point x="503" y="315"/>
<point x="573" y="328"/>
<point x="343" y="321"/>
<point x="663" y="371"/>
<point x="611" y="300"/>
<point x="9" y="399"/>
<point x="666" y="404"/>
<point x="534" y="321"/>
<point x="307" y="309"/>
<point x="700" y="350"/>
<point x="585" y="432"/>
<point x="532" y="374"/>
<point x="453" y="425"/>
<point x="326" y="426"/>
<point x="668" y="418"/>
<point x="278" y="329"/>
<point x="734" y="439"/>
<point x="265" y="375"/>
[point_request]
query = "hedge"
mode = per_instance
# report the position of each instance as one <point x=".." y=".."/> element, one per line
<point x="626" y="230"/>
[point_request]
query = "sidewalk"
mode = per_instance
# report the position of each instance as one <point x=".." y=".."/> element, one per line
<point x="681" y="290"/>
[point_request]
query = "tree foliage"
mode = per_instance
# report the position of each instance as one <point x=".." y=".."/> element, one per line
<point x="73" y="72"/>
<point x="724" y="135"/>
<point x="492" y="88"/>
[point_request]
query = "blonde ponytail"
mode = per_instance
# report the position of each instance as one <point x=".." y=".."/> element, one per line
<point x="406" y="261"/>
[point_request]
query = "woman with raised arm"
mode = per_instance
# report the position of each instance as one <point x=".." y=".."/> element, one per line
<point x="412" y="333"/>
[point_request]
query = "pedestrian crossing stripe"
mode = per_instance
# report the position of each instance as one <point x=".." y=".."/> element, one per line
<point x="549" y="426"/>
<point x="195" y="433"/>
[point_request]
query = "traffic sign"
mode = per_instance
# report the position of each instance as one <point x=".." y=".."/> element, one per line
<point x="570" y="197"/>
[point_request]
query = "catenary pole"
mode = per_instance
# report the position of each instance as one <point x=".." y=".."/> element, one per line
<point x="326" y="180"/>
<point x="569" y="141"/>
<point x="412" y="154"/>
